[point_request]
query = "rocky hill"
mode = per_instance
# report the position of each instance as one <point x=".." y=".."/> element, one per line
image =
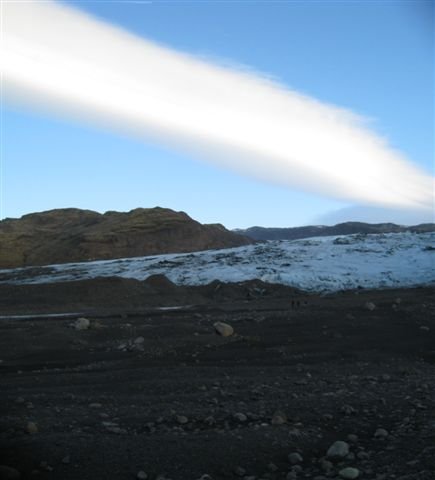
<point x="74" y="235"/>
<point x="347" y="228"/>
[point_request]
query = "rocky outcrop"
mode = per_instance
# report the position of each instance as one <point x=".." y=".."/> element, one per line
<point x="74" y="235"/>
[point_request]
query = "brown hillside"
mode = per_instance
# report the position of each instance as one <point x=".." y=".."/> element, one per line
<point x="74" y="235"/>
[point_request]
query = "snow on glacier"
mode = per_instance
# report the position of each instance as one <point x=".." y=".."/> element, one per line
<point x="318" y="264"/>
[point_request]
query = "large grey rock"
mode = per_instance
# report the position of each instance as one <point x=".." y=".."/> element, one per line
<point x="223" y="329"/>
<point x="338" y="450"/>
<point x="82" y="323"/>
<point x="349" y="473"/>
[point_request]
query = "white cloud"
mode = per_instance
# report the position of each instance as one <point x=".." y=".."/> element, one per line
<point x="60" y="59"/>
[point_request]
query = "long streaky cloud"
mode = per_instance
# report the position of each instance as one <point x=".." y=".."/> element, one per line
<point x="56" y="57"/>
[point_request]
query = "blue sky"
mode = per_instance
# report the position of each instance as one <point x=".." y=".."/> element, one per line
<point x="374" y="58"/>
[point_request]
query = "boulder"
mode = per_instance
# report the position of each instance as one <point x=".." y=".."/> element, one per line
<point x="349" y="473"/>
<point x="338" y="450"/>
<point x="82" y="324"/>
<point x="223" y="329"/>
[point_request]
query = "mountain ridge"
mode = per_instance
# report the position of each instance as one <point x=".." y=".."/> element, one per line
<point x="75" y="235"/>
<point x="345" y="228"/>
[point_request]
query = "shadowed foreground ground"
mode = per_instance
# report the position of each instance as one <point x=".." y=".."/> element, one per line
<point x="160" y="391"/>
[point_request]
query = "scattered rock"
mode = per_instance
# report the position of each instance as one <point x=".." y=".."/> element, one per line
<point x="139" y="341"/>
<point x="381" y="433"/>
<point x="210" y="420"/>
<point x="82" y="323"/>
<point x="239" y="471"/>
<point x="45" y="466"/>
<point x="141" y="475"/>
<point x="349" y="473"/>
<point x="240" y="417"/>
<point x="9" y="473"/>
<point x="302" y="381"/>
<point x="31" y="427"/>
<point x="113" y="428"/>
<point x="295" y="458"/>
<point x="279" y="418"/>
<point x="338" y="450"/>
<point x="362" y="455"/>
<point x="116" y="430"/>
<point x="369" y="306"/>
<point x="182" y="420"/>
<point x="348" y="410"/>
<point x="326" y="465"/>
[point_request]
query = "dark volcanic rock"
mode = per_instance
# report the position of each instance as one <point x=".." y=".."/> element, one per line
<point x="73" y="235"/>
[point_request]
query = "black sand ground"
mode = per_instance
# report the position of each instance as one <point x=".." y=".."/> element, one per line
<point x="183" y="401"/>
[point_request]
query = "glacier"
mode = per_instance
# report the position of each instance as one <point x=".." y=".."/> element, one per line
<point x="317" y="264"/>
